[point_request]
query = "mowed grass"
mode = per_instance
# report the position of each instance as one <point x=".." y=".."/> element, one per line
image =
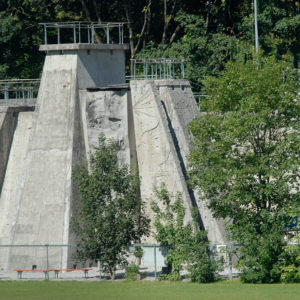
<point x="13" y="290"/>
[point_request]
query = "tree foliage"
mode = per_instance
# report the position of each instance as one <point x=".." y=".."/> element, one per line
<point x="245" y="156"/>
<point x="110" y="213"/>
<point x="186" y="244"/>
<point x="205" y="33"/>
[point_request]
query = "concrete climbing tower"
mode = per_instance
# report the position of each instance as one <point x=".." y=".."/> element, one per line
<point x="37" y="193"/>
<point x="83" y="93"/>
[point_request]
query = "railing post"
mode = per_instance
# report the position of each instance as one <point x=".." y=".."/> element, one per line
<point x="134" y="70"/>
<point x="107" y="34"/>
<point x="182" y="69"/>
<point x="93" y="34"/>
<point x="6" y="96"/>
<point x="58" y="34"/>
<point x="89" y="34"/>
<point x="119" y="33"/>
<point x="122" y="33"/>
<point x="79" y="33"/>
<point x="160" y="70"/>
<point x="45" y="34"/>
<point x="151" y="70"/>
<point x="74" y="32"/>
<point x="174" y="77"/>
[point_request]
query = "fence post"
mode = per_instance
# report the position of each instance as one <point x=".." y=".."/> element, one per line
<point x="230" y="248"/>
<point x="155" y="273"/>
<point x="47" y="262"/>
<point x="100" y="266"/>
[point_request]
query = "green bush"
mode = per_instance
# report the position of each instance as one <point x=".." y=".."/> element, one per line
<point x="201" y="267"/>
<point x="132" y="271"/>
<point x="138" y="252"/>
<point x="290" y="264"/>
<point x="187" y="245"/>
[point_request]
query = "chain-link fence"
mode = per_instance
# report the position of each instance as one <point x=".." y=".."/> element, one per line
<point x="59" y="262"/>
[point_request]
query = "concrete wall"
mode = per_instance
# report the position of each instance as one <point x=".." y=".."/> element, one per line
<point x="97" y="68"/>
<point x="41" y="209"/>
<point x="156" y="153"/>
<point x="106" y="112"/>
<point x="38" y="150"/>
<point x="181" y="108"/>
<point x="10" y="200"/>
<point x="162" y="111"/>
<point x="7" y="126"/>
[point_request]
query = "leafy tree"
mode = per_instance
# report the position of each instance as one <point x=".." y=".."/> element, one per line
<point x="110" y="214"/>
<point x="245" y="157"/>
<point x="186" y="244"/>
<point x="290" y="264"/>
<point x="21" y="35"/>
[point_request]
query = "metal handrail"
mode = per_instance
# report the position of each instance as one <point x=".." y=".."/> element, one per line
<point x="90" y="27"/>
<point x="157" y="68"/>
<point x="19" y="89"/>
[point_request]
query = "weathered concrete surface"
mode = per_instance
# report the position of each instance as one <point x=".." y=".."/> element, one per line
<point x="18" y="102"/>
<point x="156" y="153"/>
<point x="162" y="111"/>
<point x="9" y="200"/>
<point x="7" y="127"/>
<point x="44" y="190"/>
<point x="181" y="108"/>
<point x="106" y="112"/>
<point x="100" y="68"/>
<point x="45" y="195"/>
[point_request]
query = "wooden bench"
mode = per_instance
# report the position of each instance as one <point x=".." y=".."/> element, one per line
<point x="85" y="270"/>
<point x="46" y="272"/>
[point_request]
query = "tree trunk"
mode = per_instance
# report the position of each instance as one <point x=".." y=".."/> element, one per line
<point x="134" y="48"/>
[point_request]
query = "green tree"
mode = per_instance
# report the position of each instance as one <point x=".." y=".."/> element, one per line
<point x="21" y="35"/>
<point x="245" y="157"/>
<point x="186" y="244"/>
<point x="110" y="214"/>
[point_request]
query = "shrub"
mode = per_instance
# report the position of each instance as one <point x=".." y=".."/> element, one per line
<point x="290" y="264"/>
<point x="132" y="271"/>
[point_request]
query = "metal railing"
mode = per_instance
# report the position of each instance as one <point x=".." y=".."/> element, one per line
<point x="198" y="98"/>
<point x="157" y="69"/>
<point x="85" y="32"/>
<point x="18" y="91"/>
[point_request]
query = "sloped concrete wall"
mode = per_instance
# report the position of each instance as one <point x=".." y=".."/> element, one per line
<point x="8" y="121"/>
<point x="162" y="111"/>
<point x="182" y="109"/>
<point x="43" y="194"/>
<point x="9" y="201"/>
<point x="156" y="153"/>
<point x="44" y="200"/>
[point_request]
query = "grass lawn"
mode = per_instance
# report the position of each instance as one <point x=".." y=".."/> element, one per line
<point x="12" y="290"/>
